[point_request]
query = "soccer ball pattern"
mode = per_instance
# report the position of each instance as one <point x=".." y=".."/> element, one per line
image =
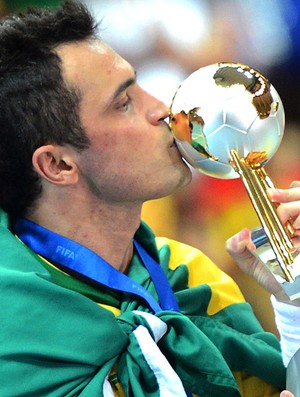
<point x="221" y="107"/>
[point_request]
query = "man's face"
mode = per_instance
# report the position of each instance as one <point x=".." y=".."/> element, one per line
<point x="132" y="156"/>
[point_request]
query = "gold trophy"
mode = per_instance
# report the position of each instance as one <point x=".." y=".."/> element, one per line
<point x="228" y="121"/>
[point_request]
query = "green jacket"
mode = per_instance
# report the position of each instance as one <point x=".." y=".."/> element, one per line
<point x="61" y="337"/>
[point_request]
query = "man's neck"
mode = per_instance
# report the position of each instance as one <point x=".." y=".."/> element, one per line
<point x="108" y="230"/>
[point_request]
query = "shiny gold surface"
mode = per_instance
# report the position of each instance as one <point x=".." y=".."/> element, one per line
<point x="189" y="127"/>
<point x="256" y="181"/>
<point x="228" y="121"/>
<point x="221" y="107"/>
<point x="253" y="81"/>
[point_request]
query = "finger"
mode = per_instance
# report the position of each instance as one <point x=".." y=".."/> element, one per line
<point x="290" y="211"/>
<point x="238" y="243"/>
<point x="285" y="195"/>
<point x="295" y="184"/>
<point x="286" y="393"/>
<point x="296" y="239"/>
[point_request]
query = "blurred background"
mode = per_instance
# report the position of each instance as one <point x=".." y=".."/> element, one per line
<point x="166" y="40"/>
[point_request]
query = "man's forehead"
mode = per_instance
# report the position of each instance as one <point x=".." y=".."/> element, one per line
<point x="83" y="58"/>
<point x="95" y="71"/>
<point x="99" y="46"/>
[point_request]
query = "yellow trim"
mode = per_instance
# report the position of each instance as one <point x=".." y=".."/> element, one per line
<point x="113" y="309"/>
<point x="116" y="386"/>
<point x="251" y="386"/>
<point x="43" y="259"/>
<point x="54" y="267"/>
<point x="202" y="270"/>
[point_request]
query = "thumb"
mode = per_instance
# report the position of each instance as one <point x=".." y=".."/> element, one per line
<point x="286" y="393"/>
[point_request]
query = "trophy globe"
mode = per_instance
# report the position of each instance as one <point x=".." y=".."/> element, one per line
<point x="228" y="122"/>
<point x="224" y="107"/>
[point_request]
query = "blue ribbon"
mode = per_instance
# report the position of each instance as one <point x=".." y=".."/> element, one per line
<point x="84" y="262"/>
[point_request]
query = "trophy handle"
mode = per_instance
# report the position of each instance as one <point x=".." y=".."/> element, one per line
<point x="256" y="181"/>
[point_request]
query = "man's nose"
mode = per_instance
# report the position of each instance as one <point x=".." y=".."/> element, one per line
<point x="158" y="112"/>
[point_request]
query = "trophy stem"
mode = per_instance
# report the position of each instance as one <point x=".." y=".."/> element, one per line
<point x="267" y="182"/>
<point x="255" y="181"/>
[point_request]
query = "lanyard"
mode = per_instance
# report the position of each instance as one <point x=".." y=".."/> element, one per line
<point x="84" y="262"/>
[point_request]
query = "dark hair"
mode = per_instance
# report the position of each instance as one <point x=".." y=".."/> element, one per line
<point x="36" y="105"/>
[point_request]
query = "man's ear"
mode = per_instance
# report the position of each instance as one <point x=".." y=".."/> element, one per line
<point x="55" y="164"/>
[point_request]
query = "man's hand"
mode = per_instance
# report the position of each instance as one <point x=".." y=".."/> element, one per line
<point x="289" y="207"/>
<point x="240" y="246"/>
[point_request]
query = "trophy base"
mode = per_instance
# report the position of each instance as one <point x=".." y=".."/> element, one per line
<point x="293" y="369"/>
<point x="267" y="256"/>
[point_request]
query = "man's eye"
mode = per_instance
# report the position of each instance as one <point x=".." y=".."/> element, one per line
<point x="126" y="104"/>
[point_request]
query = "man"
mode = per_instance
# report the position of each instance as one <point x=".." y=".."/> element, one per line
<point x="92" y="303"/>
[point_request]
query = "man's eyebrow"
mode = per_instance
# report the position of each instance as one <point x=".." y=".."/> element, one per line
<point x="122" y="87"/>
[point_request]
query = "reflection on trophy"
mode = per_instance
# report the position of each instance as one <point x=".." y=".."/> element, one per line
<point x="228" y="121"/>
